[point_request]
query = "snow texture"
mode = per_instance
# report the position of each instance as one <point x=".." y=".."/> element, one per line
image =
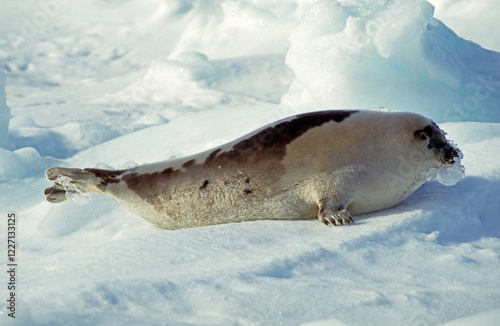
<point x="115" y="84"/>
<point x="4" y="110"/>
<point x="392" y="54"/>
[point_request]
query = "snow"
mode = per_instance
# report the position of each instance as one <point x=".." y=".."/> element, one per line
<point x="487" y="318"/>
<point x="4" y="111"/>
<point x="392" y="54"/>
<point x="460" y="16"/>
<point x="115" y="84"/>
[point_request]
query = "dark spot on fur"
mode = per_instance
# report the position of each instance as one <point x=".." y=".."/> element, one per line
<point x="106" y="176"/>
<point x="205" y="184"/>
<point x="436" y="138"/>
<point x="271" y="142"/>
<point x="188" y="164"/>
<point x="437" y="141"/>
<point x="167" y="172"/>
<point x="212" y="156"/>
<point x="247" y="180"/>
<point x="247" y="191"/>
<point x="147" y="184"/>
<point x="433" y="133"/>
<point x="105" y="173"/>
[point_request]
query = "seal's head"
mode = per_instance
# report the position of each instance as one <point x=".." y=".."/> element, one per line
<point x="435" y="140"/>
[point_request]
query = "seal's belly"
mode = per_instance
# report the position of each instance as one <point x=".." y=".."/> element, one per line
<point x="214" y="196"/>
<point x="188" y="206"/>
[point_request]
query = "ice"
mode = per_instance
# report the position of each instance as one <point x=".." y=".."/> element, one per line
<point x="391" y="54"/>
<point x="450" y="174"/>
<point x="116" y="84"/>
<point x="22" y="163"/>
<point x="196" y="81"/>
<point x="459" y="15"/>
<point x="72" y="192"/>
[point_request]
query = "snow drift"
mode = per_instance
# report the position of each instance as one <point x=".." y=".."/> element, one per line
<point x="390" y="54"/>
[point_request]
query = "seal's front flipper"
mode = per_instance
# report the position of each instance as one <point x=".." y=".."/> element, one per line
<point x="334" y="214"/>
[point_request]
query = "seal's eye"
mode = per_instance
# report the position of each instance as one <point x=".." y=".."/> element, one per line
<point x="421" y="134"/>
<point x="431" y="134"/>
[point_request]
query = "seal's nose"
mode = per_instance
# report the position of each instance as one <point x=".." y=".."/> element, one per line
<point x="449" y="154"/>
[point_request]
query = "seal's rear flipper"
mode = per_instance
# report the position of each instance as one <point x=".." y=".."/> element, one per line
<point x="69" y="180"/>
<point x="56" y="194"/>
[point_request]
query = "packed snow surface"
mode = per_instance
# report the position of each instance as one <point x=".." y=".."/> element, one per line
<point x="115" y="84"/>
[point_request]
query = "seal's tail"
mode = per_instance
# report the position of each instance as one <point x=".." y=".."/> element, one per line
<point x="70" y="180"/>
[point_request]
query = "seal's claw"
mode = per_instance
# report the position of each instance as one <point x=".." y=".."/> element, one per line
<point x="341" y="217"/>
<point x="345" y="217"/>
